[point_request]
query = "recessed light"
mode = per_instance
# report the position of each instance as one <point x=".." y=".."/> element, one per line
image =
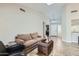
<point x="49" y="3"/>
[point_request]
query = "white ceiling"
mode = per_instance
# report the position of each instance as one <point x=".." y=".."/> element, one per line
<point x="41" y="7"/>
<point x="53" y="11"/>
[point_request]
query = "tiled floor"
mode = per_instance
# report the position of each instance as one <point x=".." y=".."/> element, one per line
<point x="61" y="49"/>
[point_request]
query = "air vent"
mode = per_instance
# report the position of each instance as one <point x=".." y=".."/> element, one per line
<point x="74" y="11"/>
<point x="22" y="9"/>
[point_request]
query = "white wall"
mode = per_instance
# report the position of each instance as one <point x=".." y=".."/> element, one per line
<point x="68" y="35"/>
<point x="66" y="24"/>
<point x="74" y="16"/>
<point x="13" y="21"/>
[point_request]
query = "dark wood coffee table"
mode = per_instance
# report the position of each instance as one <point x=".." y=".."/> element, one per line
<point x="45" y="48"/>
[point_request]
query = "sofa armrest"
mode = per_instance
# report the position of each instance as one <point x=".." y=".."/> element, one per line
<point x="19" y="41"/>
<point x="4" y="54"/>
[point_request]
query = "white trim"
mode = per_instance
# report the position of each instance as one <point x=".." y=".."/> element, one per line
<point x="69" y="41"/>
<point x="66" y="41"/>
<point x="75" y="41"/>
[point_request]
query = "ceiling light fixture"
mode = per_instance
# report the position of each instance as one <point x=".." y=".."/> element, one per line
<point x="49" y="3"/>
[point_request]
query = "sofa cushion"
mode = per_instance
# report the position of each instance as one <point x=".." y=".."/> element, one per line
<point x="34" y="35"/>
<point x="24" y="37"/>
<point x="28" y="37"/>
<point x="38" y="39"/>
<point x="30" y="42"/>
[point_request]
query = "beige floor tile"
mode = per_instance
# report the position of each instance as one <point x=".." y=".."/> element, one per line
<point x="60" y="49"/>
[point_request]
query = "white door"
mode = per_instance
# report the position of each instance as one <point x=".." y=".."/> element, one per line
<point x="53" y="28"/>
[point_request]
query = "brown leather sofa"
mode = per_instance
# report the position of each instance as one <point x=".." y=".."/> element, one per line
<point x="29" y="41"/>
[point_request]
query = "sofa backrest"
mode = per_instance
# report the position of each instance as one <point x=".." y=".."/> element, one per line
<point x="24" y="37"/>
<point x="34" y="35"/>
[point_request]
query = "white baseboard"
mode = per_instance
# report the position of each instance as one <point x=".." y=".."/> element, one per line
<point x="70" y="41"/>
<point x="67" y="41"/>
